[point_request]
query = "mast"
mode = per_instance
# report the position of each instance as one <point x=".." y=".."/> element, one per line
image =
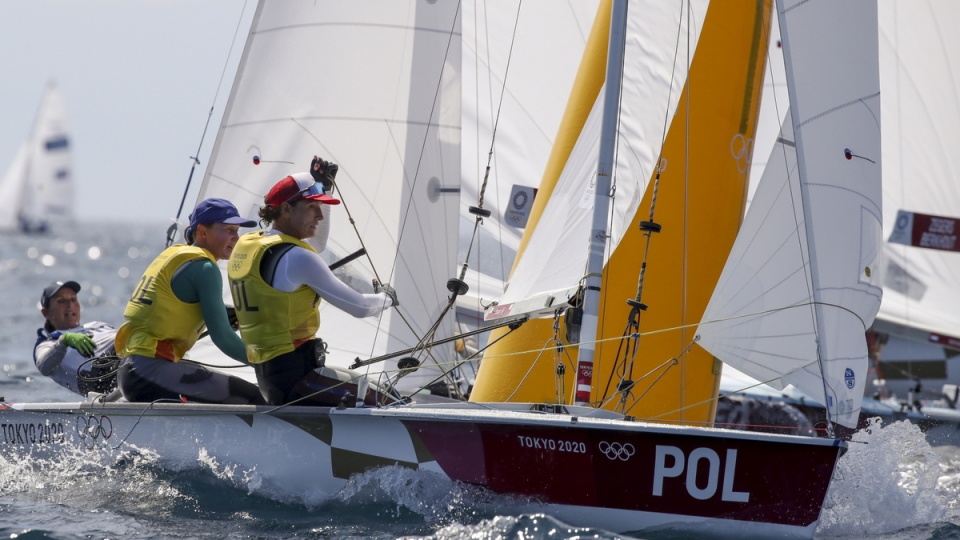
<point x="601" y="208"/>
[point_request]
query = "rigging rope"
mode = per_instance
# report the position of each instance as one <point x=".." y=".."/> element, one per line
<point x="624" y="366"/>
<point x="172" y="230"/>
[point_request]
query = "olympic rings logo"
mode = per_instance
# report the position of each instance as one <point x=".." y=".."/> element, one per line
<point x="615" y="451"/>
<point x="741" y="148"/>
<point x="92" y="429"/>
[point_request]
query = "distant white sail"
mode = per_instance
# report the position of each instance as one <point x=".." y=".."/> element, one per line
<point x="519" y="62"/>
<point x="37" y="190"/>
<point x="12" y="188"/>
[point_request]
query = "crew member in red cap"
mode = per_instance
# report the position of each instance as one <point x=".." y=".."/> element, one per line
<point x="76" y="355"/>
<point x="277" y="281"/>
<point x="179" y="295"/>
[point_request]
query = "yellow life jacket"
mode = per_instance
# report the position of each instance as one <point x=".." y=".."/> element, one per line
<point x="272" y="322"/>
<point x="158" y="324"/>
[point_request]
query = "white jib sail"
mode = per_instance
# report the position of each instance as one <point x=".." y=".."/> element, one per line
<point x="802" y="282"/>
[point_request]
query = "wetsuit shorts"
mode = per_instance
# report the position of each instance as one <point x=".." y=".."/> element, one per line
<point x="145" y="379"/>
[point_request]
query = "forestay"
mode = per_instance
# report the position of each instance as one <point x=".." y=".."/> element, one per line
<point x="802" y="283"/>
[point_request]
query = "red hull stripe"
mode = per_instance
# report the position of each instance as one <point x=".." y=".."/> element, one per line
<point x="739" y="479"/>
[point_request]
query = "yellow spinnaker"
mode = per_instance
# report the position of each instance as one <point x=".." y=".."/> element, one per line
<point x="700" y="205"/>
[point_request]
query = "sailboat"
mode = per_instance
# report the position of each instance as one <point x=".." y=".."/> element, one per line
<point x="37" y="189"/>
<point x="585" y="465"/>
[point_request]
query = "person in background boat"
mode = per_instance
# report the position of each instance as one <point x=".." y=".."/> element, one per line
<point x="277" y="281"/>
<point x="180" y="294"/>
<point x="80" y="357"/>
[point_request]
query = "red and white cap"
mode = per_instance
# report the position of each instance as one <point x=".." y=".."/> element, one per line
<point x="296" y="187"/>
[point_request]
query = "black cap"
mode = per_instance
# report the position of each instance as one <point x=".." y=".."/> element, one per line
<point x="53" y="288"/>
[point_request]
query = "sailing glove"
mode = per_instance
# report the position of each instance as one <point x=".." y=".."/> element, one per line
<point x="387" y="290"/>
<point x="324" y="172"/>
<point x="81" y="342"/>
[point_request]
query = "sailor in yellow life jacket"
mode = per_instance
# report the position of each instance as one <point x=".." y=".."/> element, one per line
<point x="178" y="296"/>
<point x="277" y="281"/>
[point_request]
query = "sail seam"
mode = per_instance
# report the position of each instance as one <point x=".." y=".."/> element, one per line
<point x="345" y="118"/>
<point x="839" y="107"/>
<point x="354" y="25"/>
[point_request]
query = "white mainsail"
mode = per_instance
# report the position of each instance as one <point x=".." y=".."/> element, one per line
<point x="37" y="190"/>
<point x="802" y="283"/>
<point x="374" y="88"/>
<point x="377" y="89"/>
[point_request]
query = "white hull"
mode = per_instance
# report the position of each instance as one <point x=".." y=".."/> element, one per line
<point x="593" y="470"/>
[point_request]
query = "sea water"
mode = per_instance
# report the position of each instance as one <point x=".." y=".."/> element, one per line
<point x="890" y="484"/>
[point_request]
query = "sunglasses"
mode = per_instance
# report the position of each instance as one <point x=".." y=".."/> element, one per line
<point x="315" y="189"/>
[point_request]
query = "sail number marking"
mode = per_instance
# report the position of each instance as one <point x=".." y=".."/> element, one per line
<point x="671" y="462"/>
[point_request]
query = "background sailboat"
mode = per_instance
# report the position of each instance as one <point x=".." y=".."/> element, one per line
<point x="36" y="192"/>
<point x="919" y="323"/>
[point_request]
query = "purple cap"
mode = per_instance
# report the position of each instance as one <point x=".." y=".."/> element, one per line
<point x="218" y="211"/>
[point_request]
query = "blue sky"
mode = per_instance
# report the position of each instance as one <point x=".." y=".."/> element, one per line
<point x="138" y="79"/>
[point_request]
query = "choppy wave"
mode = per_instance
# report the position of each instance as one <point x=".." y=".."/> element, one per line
<point x="890" y="480"/>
